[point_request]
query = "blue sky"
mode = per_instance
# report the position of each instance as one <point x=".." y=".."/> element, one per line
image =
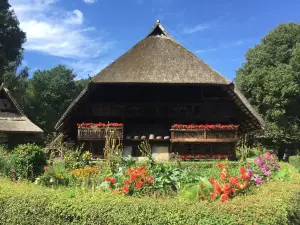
<point x="87" y="35"/>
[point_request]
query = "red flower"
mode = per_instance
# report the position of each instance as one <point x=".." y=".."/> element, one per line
<point x="150" y="179"/>
<point x="233" y="180"/>
<point x="212" y="195"/>
<point x="113" y="180"/>
<point x="130" y="170"/>
<point x="220" y="165"/>
<point x="201" y="196"/>
<point x="217" y="188"/>
<point x="244" y="176"/>
<point x="139" y="184"/>
<point x="233" y="190"/>
<point x="108" y="179"/>
<point x="201" y="185"/>
<point x="127" y="181"/>
<point x="223" y="176"/>
<point x="125" y="189"/>
<point x="224" y="198"/>
<point x="211" y="180"/>
<point x="242" y="170"/>
<point x="133" y="177"/>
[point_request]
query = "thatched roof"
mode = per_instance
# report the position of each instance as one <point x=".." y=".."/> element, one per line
<point x="16" y="121"/>
<point x="159" y="59"/>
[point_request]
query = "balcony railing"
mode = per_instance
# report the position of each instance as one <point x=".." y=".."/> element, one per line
<point x="98" y="133"/>
<point x="190" y="135"/>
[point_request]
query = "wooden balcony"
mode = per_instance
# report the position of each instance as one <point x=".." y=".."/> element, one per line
<point x="98" y="133"/>
<point x="186" y="135"/>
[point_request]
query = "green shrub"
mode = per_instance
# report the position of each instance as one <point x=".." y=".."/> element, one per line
<point x="29" y="161"/>
<point x="295" y="161"/>
<point x="25" y="203"/>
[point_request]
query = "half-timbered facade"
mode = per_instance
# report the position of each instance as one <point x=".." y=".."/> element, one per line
<point x="155" y="85"/>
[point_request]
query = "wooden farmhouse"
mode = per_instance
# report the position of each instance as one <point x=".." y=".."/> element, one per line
<point x="160" y="91"/>
<point x="15" y="127"/>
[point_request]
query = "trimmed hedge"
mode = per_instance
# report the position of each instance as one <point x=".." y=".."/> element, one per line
<point x="276" y="202"/>
<point x="295" y="161"/>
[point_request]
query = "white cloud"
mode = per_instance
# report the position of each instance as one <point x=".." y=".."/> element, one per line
<point x="74" y="17"/>
<point x="89" y="1"/>
<point x="58" y="32"/>
<point x="206" y="50"/>
<point x="196" y="28"/>
<point x="87" y="68"/>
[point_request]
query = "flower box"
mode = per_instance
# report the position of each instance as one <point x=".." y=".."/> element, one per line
<point x="204" y="133"/>
<point x="98" y="131"/>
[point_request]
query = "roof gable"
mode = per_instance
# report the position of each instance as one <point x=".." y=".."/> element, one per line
<point x="12" y="118"/>
<point x="158" y="58"/>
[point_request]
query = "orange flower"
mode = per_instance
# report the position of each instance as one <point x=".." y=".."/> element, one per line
<point x="212" y="195"/>
<point x="116" y="191"/>
<point x="201" y="196"/>
<point x="220" y="165"/>
<point x="139" y="184"/>
<point x="233" y="190"/>
<point x="217" y="188"/>
<point x="244" y="176"/>
<point x="150" y="179"/>
<point x="226" y="189"/>
<point x="125" y="189"/>
<point x="201" y="185"/>
<point x="242" y="170"/>
<point x="246" y="183"/>
<point x="224" y="198"/>
<point x="223" y="176"/>
<point x="226" y="167"/>
<point x="233" y="180"/>
<point x="239" y="186"/>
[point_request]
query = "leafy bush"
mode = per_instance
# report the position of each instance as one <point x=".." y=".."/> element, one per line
<point x="295" y="161"/>
<point x="25" y="203"/>
<point x="29" y="161"/>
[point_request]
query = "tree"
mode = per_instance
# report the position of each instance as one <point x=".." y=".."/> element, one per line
<point x="50" y="92"/>
<point x="270" y="79"/>
<point x="11" y="37"/>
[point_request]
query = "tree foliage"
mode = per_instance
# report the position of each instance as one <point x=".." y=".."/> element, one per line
<point x="11" y="37"/>
<point x="50" y="92"/>
<point x="270" y="79"/>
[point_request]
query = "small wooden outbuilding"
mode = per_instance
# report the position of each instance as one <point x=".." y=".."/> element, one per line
<point x="15" y="127"/>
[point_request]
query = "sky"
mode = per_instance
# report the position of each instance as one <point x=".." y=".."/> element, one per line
<point x="87" y="35"/>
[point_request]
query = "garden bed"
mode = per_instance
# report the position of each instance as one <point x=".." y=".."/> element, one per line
<point x="26" y="203"/>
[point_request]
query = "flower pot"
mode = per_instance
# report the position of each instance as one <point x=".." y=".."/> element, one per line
<point x="166" y="137"/>
<point x="143" y="137"/>
<point x="151" y="136"/>
<point x="136" y="137"/>
<point x="159" y="137"/>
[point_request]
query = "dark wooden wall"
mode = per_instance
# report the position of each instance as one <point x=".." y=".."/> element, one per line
<point x="154" y="108"/>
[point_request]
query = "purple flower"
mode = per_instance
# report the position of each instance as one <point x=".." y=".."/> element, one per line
<point x="258" y="180"/>
<point x="249" y="173"/>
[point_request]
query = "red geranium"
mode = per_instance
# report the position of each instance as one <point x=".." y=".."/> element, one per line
<point x="212" y="195"/>
<point x="201" y="185"/>
<point x="242" y="170"/>
<point x="223" y="175"/>
<point x="108" y="179"/>
<point x="125" y="189"/>
<point x="139" y="184"/>
<point x="224" y="198"/>
<point x="113" y="180"/>
<point x="220" y="165"/>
